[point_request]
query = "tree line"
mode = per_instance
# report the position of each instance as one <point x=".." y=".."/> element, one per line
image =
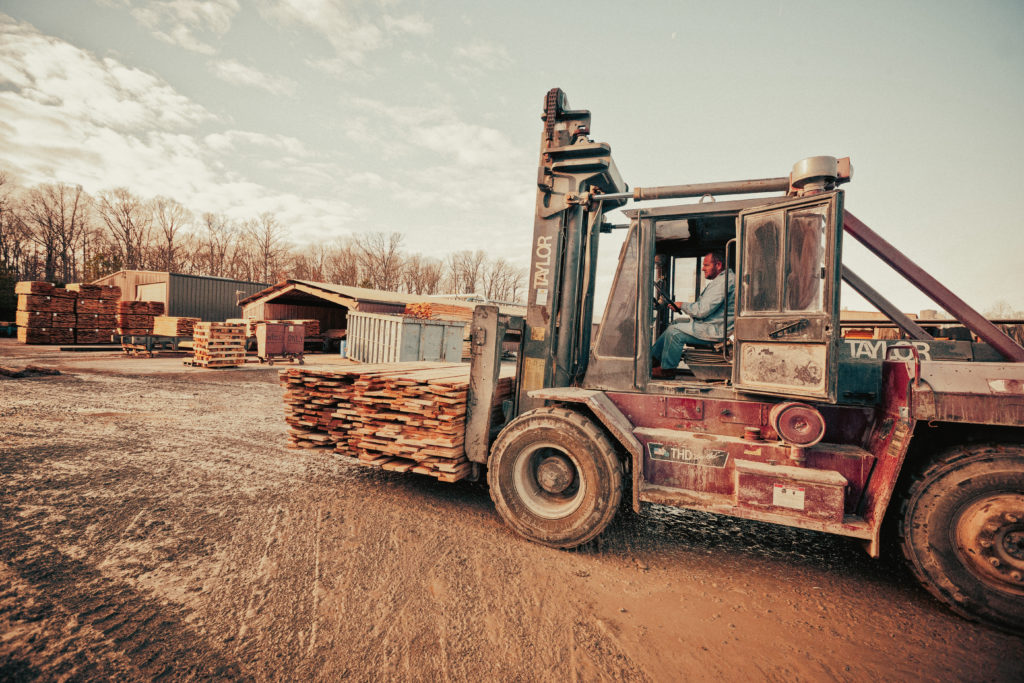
<point x="59" y="233"/>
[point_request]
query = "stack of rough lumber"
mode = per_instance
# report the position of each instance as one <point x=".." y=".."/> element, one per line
<point x="218" y="345"/>
<point x="46" y="314"/>
<point x="437" y="311"/>
<point x="312" y="326"/>
<point x="406" y="417"/>
<point x="95" y="312"/>
<point x="136" y="317"/>
<point x="171" y="326"/>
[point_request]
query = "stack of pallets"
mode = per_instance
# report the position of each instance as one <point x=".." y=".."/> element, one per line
<point x="136" y="317"/>
<point x="406" y="417"/>
<point x="46" y="314"/>
<point x="218" y="345"/>
<point x="95" y="312"/>
<point x="171" y="326"/>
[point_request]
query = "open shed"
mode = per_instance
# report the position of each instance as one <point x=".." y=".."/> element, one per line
<point x="328" y="303"/>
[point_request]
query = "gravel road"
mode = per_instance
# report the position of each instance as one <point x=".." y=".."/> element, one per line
<point x="153" y="525"/>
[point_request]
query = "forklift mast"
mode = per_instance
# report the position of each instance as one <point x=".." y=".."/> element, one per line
<point x="567" y="224"/>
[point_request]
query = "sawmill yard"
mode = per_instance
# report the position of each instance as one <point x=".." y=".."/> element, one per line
<point x="155" y="523"/>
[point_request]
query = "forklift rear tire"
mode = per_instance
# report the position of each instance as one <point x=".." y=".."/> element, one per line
<point x="555" y="477"/>
<point x="962" y="530"/>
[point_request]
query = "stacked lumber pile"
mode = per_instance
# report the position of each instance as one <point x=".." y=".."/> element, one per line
<point x="218" y="345"/>
<point x="405" y="417"/>
<point x="46" y="314"/>
<point x="433" y="310"/>
<point x="95" y="312"/>
<point x="136" y="317"/>
<point x="437" y="311"/>
<point x="171" y="326"/>
<point x="312" y="326"/>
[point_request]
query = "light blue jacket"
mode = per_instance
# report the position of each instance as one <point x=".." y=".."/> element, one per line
<point x="708" y="311"/>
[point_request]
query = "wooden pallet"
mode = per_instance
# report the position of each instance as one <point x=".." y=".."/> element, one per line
<point x="405" y="417"/>
<point x="218" y="344"/>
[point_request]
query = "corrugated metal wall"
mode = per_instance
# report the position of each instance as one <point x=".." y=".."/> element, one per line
<point x="212" y="299"/>
<point x="129" y="280"/>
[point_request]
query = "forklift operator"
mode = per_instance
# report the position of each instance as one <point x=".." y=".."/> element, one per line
<point x="707" y="313"/>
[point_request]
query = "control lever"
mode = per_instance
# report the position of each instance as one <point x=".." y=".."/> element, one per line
<point x="671" y="303"/>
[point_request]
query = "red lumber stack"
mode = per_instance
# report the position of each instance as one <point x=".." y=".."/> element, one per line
<point x="46" y="314"/>
<point x="406" y="417"/>
<point x="136" y="317"/>
<point x="95" y="312"/>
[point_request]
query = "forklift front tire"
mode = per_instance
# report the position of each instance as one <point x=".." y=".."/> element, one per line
<point x="963" y="532"/>
<point x="555" y="477"/>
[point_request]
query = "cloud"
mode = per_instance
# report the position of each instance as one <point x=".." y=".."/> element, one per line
<point x="235" y="72"/>
<point x="178" y="21"/>
<point x="52" y="74"/>
<point x="489" y="56"/>
<point x="352" y="35"/>
<point x="234" y="139"/>
<point x="70" y="116"/>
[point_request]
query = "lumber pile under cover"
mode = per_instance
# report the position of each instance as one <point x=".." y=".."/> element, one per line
<point x="171" y="326"/>
<point x="218" y="345"/>
<point x="406" y="417"/>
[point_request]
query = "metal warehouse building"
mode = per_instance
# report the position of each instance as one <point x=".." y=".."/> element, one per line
<point x="197" y="296"/>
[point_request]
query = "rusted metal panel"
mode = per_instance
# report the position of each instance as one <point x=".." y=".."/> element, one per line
<point x="723" y="504"/>
<point x="782" y="367"/>
<point x="792" y="491"/>
<point x="981" y="393"/>
<point x="888" y="441"/>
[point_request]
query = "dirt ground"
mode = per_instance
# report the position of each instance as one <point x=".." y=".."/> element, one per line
<point x="154" y="525"/>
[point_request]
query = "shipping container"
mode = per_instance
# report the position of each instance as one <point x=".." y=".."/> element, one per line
<point x="377" y="338"/>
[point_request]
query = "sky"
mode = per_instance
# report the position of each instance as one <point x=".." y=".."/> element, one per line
<point x="424" y="117"/>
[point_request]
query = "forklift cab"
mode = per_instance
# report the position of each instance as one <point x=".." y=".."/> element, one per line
<point x="785" y="253"/>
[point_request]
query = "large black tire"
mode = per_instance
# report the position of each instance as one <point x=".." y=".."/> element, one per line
<point x="555" y="477"/>
<point x="962" y="531"/>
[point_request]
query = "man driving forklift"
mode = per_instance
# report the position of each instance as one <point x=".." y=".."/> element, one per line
<point x="706" y="325"/>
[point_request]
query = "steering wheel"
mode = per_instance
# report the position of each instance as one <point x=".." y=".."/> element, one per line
<point x="668" y="299"/>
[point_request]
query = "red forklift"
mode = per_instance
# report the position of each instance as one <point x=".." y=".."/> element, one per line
<point x="784" y="420"/>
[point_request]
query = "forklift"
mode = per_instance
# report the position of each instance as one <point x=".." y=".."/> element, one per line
<point x="783" y="420"/>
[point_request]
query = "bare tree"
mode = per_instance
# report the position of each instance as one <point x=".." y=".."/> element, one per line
<point x="464" y="270"/>
<point x="422" y="275"/>
<point x="218" y="243"/>
<point x="267" y="238"/>
<point x="343" y="262"/>
<point x="171" y="219"/>
<point x="128" y="220"/>
<point x="58" y="220"/>
<point x="502" y="281"/>
<point x="381" y="259"/>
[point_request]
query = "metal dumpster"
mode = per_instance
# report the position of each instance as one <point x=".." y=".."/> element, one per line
<point x="379" y="338"/>
<point x="279" y="339"/>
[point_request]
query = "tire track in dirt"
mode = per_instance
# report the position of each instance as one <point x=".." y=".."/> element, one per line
<point x="129" y="633"/>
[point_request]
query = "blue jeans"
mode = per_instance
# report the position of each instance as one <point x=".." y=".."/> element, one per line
<point x="669" y="347"/>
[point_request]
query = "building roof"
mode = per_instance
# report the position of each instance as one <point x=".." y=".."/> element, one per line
<point x="351" y="297"/>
